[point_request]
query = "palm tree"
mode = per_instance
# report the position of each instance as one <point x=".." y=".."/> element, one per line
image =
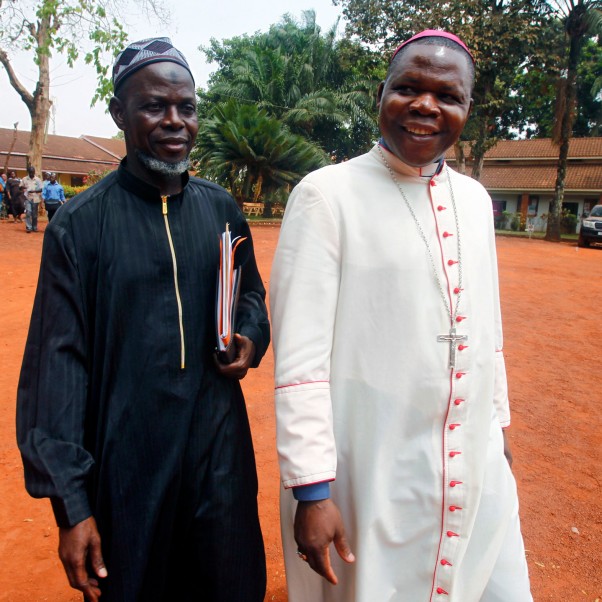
<point x="581" y="19"/>
<point x="253" y="154"/>
<point x="293" y="72"/>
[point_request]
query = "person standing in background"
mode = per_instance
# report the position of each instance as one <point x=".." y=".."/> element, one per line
<point x="3" y="196"/>
<point x="12" y="188"/>
<point x="33" y="198"/>
<point x="53" y="195"/>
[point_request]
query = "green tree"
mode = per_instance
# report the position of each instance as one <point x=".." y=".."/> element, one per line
<point x="302" y="77"/>
<point x="537" y="90"/>
<point x="48" y="27"/>
<point x="582" y="19"/>
<point x="588" y="119"/>
<point x="502" y="34"/>
<point x="243" y="148"/>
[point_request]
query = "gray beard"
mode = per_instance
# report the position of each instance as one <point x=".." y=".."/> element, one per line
<point x="164" y="168"/>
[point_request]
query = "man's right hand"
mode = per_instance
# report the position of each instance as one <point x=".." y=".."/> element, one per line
<point x="79" y="547"/>
<point x="317" y="525"/>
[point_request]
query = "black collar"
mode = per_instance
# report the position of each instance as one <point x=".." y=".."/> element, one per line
<point x="140" y="187"/>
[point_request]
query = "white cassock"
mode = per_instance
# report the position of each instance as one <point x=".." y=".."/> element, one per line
<point x="364" y="392"/>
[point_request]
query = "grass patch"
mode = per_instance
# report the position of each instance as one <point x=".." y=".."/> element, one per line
<point x="537" y="235"/>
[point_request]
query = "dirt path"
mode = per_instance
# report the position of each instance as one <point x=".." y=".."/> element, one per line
<point x="551" y="303"/>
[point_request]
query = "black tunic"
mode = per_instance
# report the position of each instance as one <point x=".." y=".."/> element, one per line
<point x="109" y="423"/>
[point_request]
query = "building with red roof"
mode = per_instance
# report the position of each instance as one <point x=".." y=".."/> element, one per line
<point x="72" y="159"/>
<point x="520" y="176"/>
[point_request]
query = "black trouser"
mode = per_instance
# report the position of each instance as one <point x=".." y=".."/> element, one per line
<point x="51" y="209"/>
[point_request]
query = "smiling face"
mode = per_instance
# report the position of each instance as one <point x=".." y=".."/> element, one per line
<point x="424" y="103"/>
<point x="156" y="109"/>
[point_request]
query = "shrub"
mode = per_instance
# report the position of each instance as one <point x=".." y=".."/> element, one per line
<point x="95" y="176"/>
<point x="499" y="220"/>
<point x="515" y="222"/>
<point x="71" y="191"/>
<point x="568" y="222"/>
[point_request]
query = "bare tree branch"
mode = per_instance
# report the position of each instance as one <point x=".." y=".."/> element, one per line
<point x="21" y="90"/>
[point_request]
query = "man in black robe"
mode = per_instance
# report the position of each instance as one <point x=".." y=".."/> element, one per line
<point x="125" y="419"/>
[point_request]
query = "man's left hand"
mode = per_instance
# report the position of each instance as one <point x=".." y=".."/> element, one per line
<point x="245" y="354"/>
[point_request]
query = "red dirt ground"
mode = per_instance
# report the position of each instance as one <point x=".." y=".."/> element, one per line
<point x="551" y="296"/>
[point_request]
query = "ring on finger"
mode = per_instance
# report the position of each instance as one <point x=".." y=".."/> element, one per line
<point x="301" y="555"/>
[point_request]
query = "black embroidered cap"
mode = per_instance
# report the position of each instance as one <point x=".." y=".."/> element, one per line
<point x="142" y="53"/>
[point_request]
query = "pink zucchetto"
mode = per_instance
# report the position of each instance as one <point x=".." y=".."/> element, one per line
<point x="434" y="33"/>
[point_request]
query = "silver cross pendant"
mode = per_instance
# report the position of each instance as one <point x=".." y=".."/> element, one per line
<point x="452" y="338"/>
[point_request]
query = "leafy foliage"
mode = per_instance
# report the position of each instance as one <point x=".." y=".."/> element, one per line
<point x="252" y="153"/>
<point x="71" y="191"/>
<point x="303" y="77"/>
<point x="534" y="114"/>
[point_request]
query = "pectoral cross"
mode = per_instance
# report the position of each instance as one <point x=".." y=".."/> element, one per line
<point x="452" y="338"/>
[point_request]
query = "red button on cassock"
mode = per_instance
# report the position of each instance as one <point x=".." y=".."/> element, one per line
<point x="454" y="508"/>
<point x="457" y="291"/>
<point x="457" y="402"/>
<point x="454" y="483"/>
<point x="445" y="562"/>
<point x="453" y="454"/>
<point x="453" y="427"/>
<point x="440" y="591"/>
<point x="447" y="234"/>
<point x="441" y="208"/>
<point x="460" y="318"/>
<point x="433" y="183"/>
<point x="460" y="374"/>
<point x="452" y="534"/>
<point x="451" y="262"/>
<point x="462" y="347"/>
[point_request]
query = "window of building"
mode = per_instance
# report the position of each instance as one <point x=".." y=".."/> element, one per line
<point x="533" y="205"/>
<point x="588" y="203"/>
<point x="498" y="207"/>
<point x="499" y="219"/>
<point x="77" y="180"/>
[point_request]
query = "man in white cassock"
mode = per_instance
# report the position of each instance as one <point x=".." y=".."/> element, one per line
<point x="391" y="392"/>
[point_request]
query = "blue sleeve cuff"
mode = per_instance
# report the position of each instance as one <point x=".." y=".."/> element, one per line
<point x="312" y="493"/>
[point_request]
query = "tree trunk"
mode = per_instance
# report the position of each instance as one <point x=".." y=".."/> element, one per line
<point x="477" y="166"/>
<point x="484" y="124"/>
<point x="479" y="148"/>
<point x="553" y="226"/>
<point x="459" y="149"/>
<point x="10" y="150"/>
<point x="576" y="37"/>
<point x="40" y="108"/>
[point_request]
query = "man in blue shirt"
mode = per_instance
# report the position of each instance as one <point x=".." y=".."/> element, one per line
<point x="54" y="196"/>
